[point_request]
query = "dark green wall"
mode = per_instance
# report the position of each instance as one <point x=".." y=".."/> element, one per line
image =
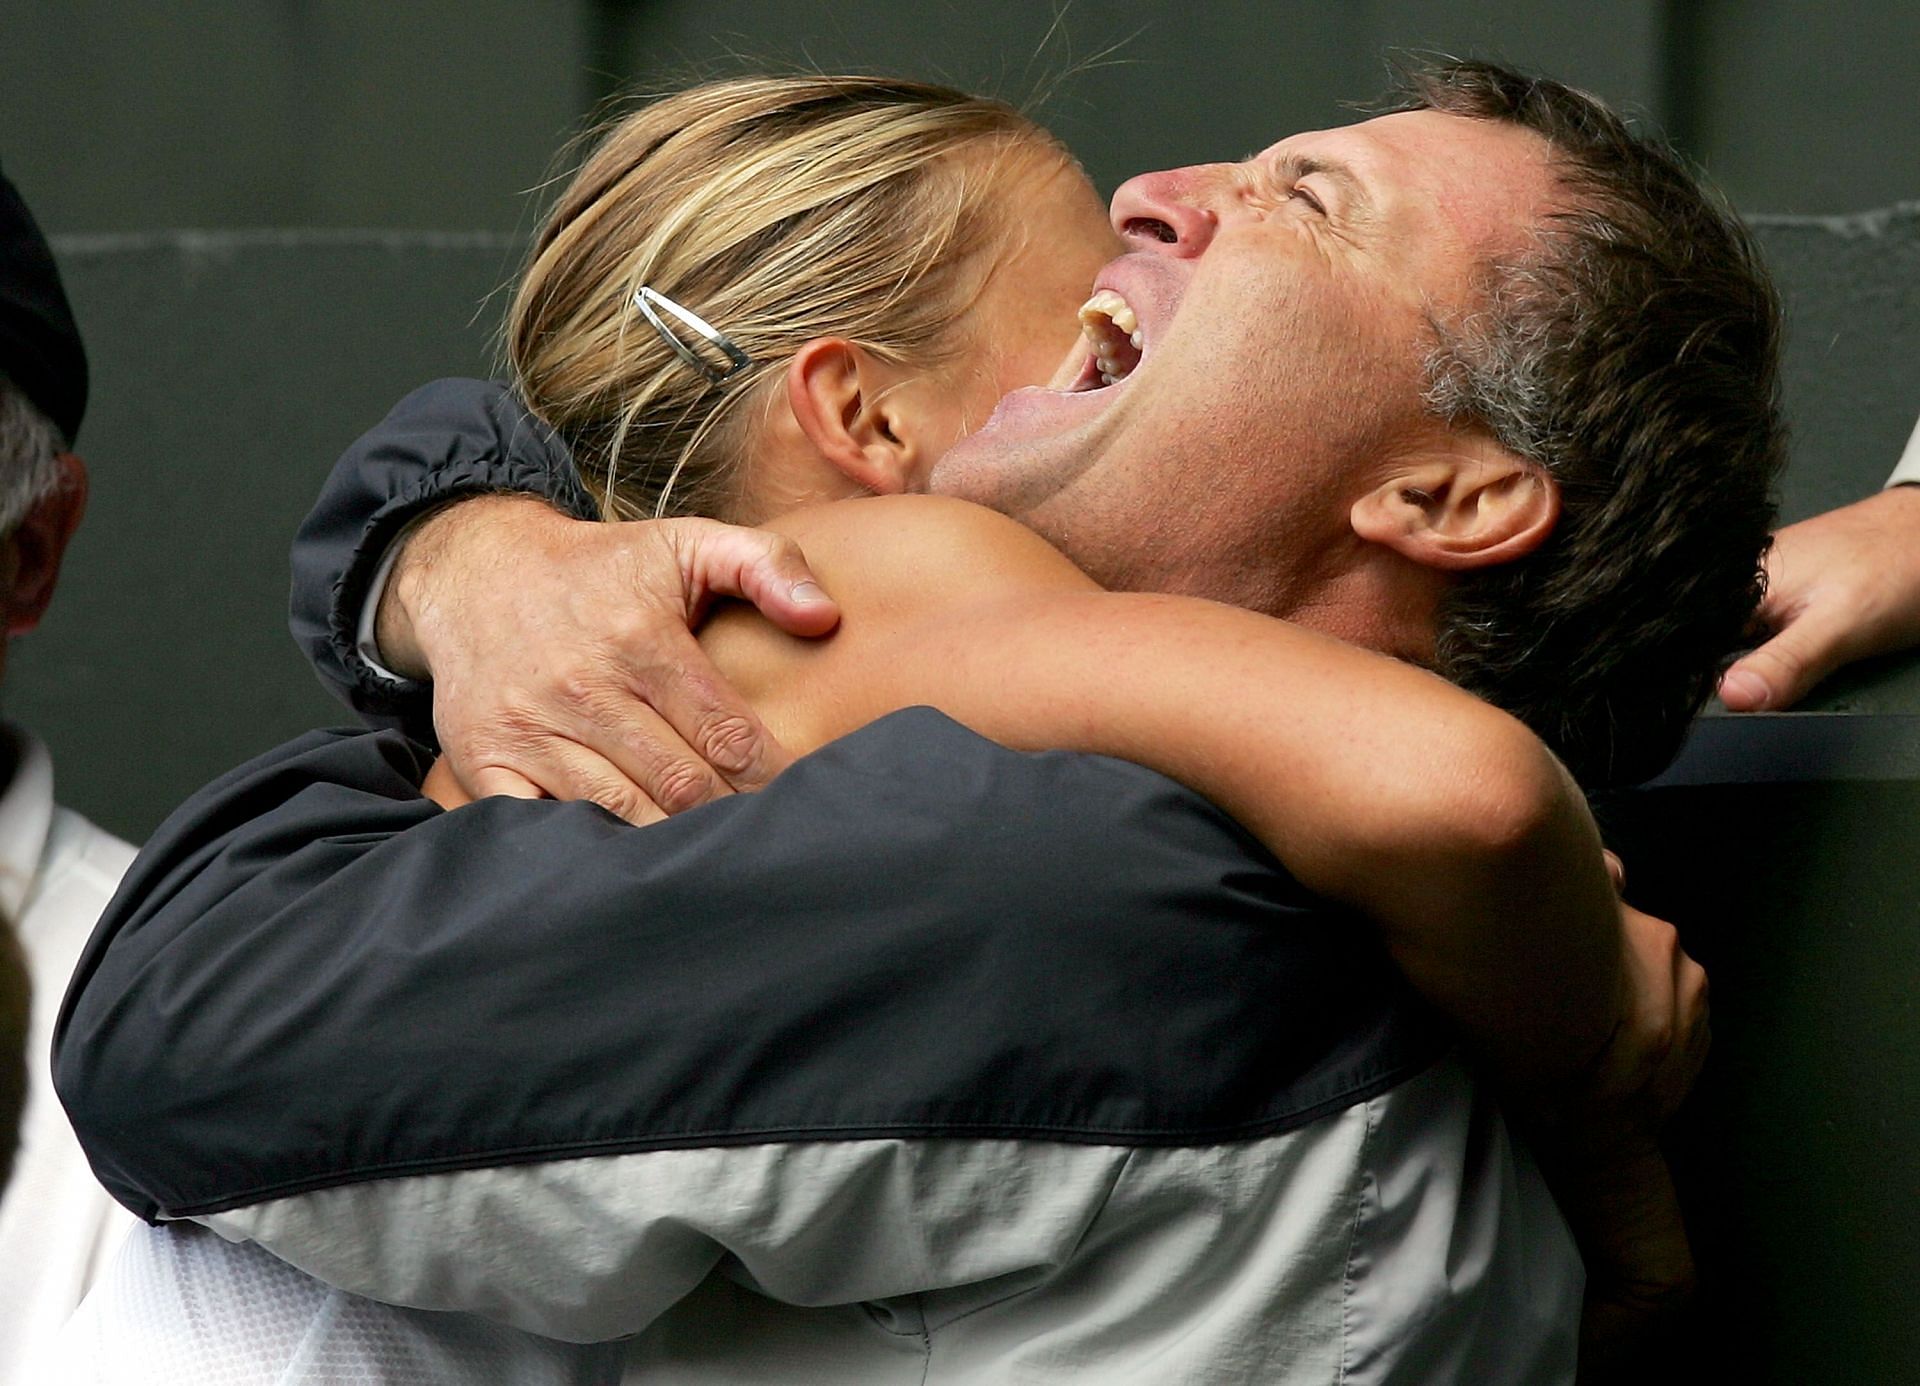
<point x="1797" y="105"/>
<point x="312" y="113"/>
<point x="1782" y="847"/>
<point x="337" y="113"/>
<point x="1154" y="83"/>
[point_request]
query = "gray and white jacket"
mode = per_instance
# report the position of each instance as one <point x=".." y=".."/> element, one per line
<point x="933" y="1062"/>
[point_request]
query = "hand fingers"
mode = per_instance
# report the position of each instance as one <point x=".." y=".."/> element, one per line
<point x="553" y="764"/>
<point x="634" y="760"/>
<point x="582" y="651"/>
<point x="586" y="774"/>
<point x="1782" y="671"/>
<point x="655" y="711"/>
<point x="1644" y="1067"/>
<point x="1640" y="1266"/>
<point x="764" y="568"/>
<point x="1679" y="1035"/>
<point x="629" y="712"/>
<point x="709" y="724"/>
<point x="485" y="782"/>
<point x="652" y="750"/>
<point x="1696" y="1022"/>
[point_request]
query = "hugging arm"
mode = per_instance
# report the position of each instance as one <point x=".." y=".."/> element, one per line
<point x="439" y="994"/>
<point x="1382" y="787"/>
<point x="461" y="438"/>
<point x="453" y="542"/>
<point x="527" y="1061"/>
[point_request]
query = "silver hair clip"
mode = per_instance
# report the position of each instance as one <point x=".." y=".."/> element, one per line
<point x="651" y="304"/>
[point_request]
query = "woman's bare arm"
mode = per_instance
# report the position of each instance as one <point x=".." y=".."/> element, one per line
<point x="1379" y="785"/>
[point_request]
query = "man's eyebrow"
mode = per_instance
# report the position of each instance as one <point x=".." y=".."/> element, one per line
<point x="1293" y="166"/>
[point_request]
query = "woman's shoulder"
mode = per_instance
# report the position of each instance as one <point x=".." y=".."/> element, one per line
<point x="924" y="549"/>
<point x="899" y="567"/>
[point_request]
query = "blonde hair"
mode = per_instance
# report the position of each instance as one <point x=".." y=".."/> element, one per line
<point x="779" y="209"/>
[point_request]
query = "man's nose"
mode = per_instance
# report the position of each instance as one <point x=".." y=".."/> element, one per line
<point x="1167" y="213"/>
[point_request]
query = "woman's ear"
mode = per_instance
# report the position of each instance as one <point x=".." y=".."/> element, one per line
<point x="1474" y="508"/>
<point x="849" y="405"/>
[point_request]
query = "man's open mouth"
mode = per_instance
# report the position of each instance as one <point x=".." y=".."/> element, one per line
<point x="1112" y="330"/>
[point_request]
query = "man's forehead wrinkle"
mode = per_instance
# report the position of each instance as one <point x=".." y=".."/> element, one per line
<point x="1364" y="154"/>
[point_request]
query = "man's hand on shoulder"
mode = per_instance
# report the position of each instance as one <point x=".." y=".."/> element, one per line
<point x="562" y="655"/>
<point x="1840" y="587"/>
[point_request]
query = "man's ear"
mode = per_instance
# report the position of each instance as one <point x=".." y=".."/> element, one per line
<point x="1473" y="508"/>
<point x="34" y="550"/>
<point x="843" y="399"/>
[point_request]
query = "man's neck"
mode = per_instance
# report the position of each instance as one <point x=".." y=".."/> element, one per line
<point x="1389" y="606"/>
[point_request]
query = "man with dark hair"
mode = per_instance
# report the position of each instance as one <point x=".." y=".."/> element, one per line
<point x="57" y="871"/>
<point x="1320" y="347"/>
<point x="1840" y="587"/>
<point x="1630" y="353"/>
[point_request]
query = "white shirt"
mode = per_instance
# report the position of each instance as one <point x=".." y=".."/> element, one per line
<point x="58" y="1228"/>
<point x="1908" y="469"/>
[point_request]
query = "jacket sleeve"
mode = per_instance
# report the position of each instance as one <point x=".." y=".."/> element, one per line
<point x="525" y="1060"/>
<point x="446" y="440"/>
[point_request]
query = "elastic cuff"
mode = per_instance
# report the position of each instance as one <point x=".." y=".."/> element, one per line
<point x="351" y="601"/>
<point x="367" y="642"/>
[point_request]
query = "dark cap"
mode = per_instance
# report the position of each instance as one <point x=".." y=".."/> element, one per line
<point x="40" y="350"/>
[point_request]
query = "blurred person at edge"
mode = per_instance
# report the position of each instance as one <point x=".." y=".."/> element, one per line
<point x="57" y="871"/>
<point x="1842" y="586"/>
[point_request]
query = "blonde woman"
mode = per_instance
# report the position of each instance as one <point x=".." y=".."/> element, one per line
<point x="770" y="294"/>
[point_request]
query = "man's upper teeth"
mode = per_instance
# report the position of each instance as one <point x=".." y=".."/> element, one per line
<point x="1108" y="306"/>
<point x="1113" y="330"/>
